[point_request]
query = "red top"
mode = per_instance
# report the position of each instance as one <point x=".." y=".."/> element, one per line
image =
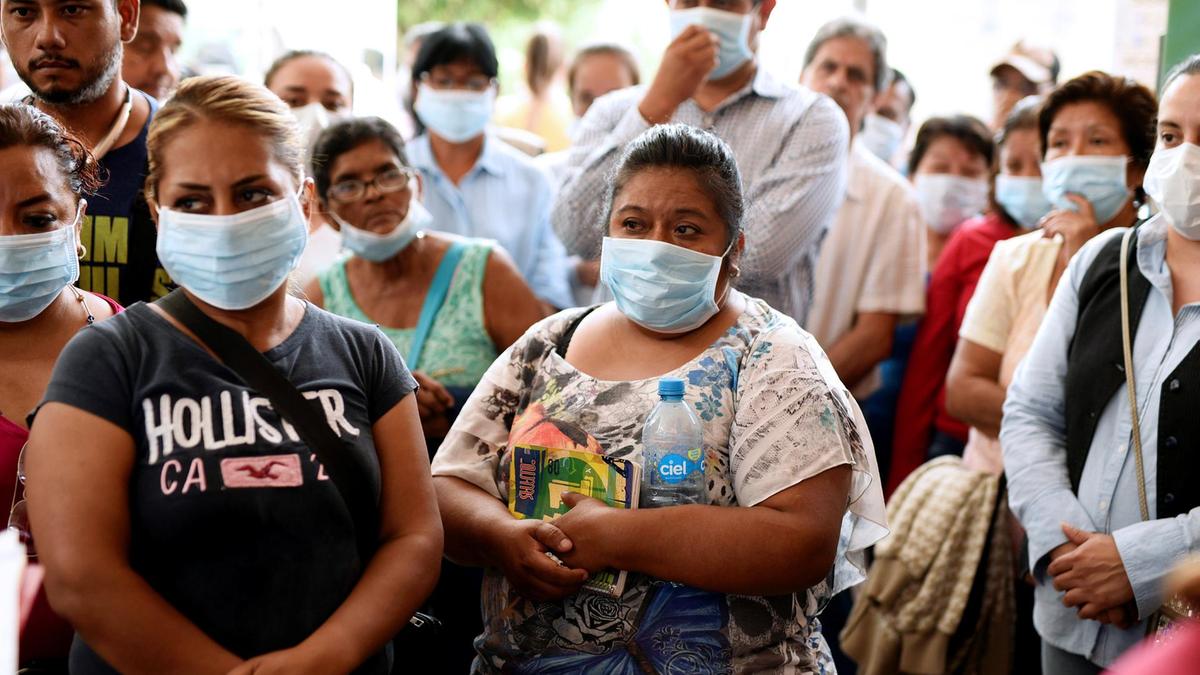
<point x="46" y="636"/>
<point x="922" y="404"/>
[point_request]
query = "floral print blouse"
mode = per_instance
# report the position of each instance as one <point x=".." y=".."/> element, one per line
<point x="774" y="415"/>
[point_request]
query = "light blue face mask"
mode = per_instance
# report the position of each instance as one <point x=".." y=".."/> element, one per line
<point x="378" y="247"/>
<point x="34" y="268"/>
<point x="731" y="28"/>
<point x="233" y="262"/>
<point x="1022" y="198"/>
<point x="1097" y="178"/>
<point x="457" y="116"/>
<point x="660" y="286"/>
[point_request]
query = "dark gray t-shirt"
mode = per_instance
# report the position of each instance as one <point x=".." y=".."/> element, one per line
<point x="233" y="520"/>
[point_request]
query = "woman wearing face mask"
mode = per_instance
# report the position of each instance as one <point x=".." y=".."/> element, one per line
<point x="949" y="170"/>
<point x="1099" y="419"/>
<point x="945" y="145"/>
<point x="786" y="449"/>
<point x="475" y="185"/>
<point x="462" y="300"/>
<point x="465" y="300"/>
<point x="43" y="173"/>
<point x="185" y="506"/>
<point x="1092" y="117"/>
<point x="319" y="91"/>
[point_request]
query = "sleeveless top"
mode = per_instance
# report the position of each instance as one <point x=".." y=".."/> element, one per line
<point x="459" y="349"/>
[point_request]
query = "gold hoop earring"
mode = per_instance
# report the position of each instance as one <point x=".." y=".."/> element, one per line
<point x="82" y="251"/>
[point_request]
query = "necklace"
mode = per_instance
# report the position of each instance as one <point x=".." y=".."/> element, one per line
<point x="79" y="295"/>
<point x="118" y="126"/>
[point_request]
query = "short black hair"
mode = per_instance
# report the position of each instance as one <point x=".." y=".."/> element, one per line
<point x="969" y="131"/>
<point x="342" y="137"/>
<point x="457" y="42"/>
<point x="172" y="6"/>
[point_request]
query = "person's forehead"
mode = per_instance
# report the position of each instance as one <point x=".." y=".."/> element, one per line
<point x="244" y="150"/>
<point x="604" y="66"/>
<point x="947" y="147"/>
<point x="161" y="22"/>
<point x="1181" y="100"/>
<point x="1084" y="115"/>
<point x="26" y="170"/>
<point x="459" y="68"/>
<point x="313" y="73"/>
<point x="845" y="48"/>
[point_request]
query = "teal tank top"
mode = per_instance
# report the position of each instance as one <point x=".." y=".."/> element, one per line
<point x="459" y="349"/>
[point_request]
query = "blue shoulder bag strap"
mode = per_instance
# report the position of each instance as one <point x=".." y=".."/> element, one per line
<point x="434" y="300"/>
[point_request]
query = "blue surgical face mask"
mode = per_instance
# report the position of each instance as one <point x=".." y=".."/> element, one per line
<point x="378" y="247"/>
<point x="1022" y="198"/>
<point x="35" y="268"/>
<point x="1100" y="179"/>
<point x="660" y="286"/>
<point x="233" y="262"/>
<point x="457" y="116"/>
<point x="731" y="28"/>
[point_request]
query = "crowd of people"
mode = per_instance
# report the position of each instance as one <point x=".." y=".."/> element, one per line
<point x="265" y="365"/>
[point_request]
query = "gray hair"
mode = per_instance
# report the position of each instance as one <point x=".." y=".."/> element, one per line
<point x="854" y="27"/>
<point x="1189" y="66"/>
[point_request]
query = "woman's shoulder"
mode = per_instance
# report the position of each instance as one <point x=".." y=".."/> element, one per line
<point x="766" y="331"/>
<point x="1017" y="253"/>
<point x="119" y="336"/>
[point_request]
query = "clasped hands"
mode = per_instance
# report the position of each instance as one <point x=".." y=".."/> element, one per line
<point x="1089" y="569"/>
<point x="582" y="540"/>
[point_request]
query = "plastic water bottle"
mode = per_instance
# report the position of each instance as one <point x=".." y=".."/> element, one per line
<point x="673" y="451"/>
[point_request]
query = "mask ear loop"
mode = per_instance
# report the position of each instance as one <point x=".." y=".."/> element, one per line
<point x="734" y="272"/>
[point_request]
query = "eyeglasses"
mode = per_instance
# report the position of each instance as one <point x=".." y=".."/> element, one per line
<point x="475" y="83"/>
<point x="392" y="180"/>
<point x="18" y="515"/>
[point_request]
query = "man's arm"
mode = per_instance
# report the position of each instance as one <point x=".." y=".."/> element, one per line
<point x="792" y="205"/>
<point x="611" y="122"/>
<point x="864" y="346"/>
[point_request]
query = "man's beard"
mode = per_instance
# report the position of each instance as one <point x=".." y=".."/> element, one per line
<point x="98" y="81"/>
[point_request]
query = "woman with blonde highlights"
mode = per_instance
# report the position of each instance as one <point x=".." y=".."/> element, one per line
<point x="185" y="524"/>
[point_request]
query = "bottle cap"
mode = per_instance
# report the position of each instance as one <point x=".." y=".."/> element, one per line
<point x="670" y="386"/>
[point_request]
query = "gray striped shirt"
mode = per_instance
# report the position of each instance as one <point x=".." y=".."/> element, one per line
<point x="791" y="146"/>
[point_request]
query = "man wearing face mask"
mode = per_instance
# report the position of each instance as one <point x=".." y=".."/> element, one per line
<point x="871" y="271"/>
<point x="319" y="91"/>
<point x="885" y="127"/>
<point x="71" y="61"/>
<point x="791" y="145"/>
<point x="1100" y="421"/>
<point x="475" y="184"/>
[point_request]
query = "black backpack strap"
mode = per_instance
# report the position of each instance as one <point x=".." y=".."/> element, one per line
<point x="304" y="415"/>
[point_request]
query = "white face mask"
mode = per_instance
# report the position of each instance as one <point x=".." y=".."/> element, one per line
<point x="881" y="136"/>
<point x="377" y="246"/>
<point x="947" y="200"/>
<point x="1173" y="182"/>
<point x="314" y="119"/>
<point x="233" y="262"/>
<point x="455" y="115"/>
